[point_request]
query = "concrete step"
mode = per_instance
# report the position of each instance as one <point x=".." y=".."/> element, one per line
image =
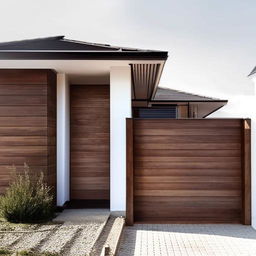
<point x="112" y="243"/>
<point x="108" y="242"/>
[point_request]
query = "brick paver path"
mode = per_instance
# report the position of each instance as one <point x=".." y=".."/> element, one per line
<point x="188" y="240"/>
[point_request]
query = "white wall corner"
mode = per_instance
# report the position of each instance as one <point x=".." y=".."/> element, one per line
<point x="63" y="140"/>
<point x="253" y="78"/>
<point x="120" y="109"/>
<point x="253" y="171"/>
<point x="244" y="107"/>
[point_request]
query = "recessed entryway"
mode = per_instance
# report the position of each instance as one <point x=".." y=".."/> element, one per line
<point x="89" y="145"/>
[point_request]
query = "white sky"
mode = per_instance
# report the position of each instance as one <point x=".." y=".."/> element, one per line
<point x="211" y="43"/>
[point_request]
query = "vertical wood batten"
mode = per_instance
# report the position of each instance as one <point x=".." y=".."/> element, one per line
<point x="246" y="168"/>
<point x="129" y="172"/>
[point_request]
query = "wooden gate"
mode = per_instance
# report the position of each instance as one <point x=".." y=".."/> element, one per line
<point x="188" y="171"/>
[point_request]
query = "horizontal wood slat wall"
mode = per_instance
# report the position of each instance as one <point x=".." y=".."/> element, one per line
<point x="90" y="131"/>
<point x="27" y="122"/>
<point x="188" y="170"/>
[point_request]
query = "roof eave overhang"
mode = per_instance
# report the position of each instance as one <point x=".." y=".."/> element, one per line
<point x="80" y="55"/>
<point x="191" y="101"/>
<point x="218" y="104"/>
<point x="214" y="110"/>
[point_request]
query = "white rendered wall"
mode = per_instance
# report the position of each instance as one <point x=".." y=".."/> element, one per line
<point x="63" y="151"/>
<point x="244" y="107"/>
<point x="120" y="109"/>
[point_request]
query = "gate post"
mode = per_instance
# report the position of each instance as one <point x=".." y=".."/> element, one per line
<point x="129" y="172"/>
<point x="246" y="168"/>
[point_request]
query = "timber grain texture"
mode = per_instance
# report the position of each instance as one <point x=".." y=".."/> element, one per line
<point x="27" y="123"/>
<point x="188" y="171"/>
<point x="90" y="131"/>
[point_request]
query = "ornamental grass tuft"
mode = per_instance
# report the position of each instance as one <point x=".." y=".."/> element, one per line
<point x="28" y="199"/>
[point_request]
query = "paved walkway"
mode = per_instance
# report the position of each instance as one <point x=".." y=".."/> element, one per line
<point x="83" y="216"/>
<point x="188" y="240"/>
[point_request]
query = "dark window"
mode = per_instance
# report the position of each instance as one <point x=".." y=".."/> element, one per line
<point x="156" y="112"/>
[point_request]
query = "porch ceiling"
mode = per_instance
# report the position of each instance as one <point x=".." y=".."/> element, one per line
<point x="144" y="78"/>
<point x="145" y="74"/>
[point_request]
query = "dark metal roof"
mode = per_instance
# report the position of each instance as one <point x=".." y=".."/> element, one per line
<point x="253" y="71"/>
<point x="60" y="48"/>
<point x="166" y="94"/>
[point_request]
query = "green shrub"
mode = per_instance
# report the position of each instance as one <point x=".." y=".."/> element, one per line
<point x="28" y="199"/>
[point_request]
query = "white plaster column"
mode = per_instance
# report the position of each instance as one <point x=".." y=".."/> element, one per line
<point x="120" y="109"/>
<point x="63" y="140"/>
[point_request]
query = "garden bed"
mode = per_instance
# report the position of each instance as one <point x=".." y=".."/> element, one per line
<point x="73" y="232"/>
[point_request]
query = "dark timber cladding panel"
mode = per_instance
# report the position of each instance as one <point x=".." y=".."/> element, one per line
<point x="28" y="122"/>
<point x="90" y="142"/>
<point x="187" y="170"/>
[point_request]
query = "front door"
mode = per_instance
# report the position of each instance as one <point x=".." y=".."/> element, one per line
<point x="89" y="124"/>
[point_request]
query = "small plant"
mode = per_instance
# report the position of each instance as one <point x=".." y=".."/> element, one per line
<point x="50" y="254"/>
<point x="4" y="252"/>
<point x="32" y="253"/>
<point x="28" y="199"/>
<point x="25" y="253"/>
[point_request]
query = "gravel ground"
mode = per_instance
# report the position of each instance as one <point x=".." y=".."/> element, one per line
<point x="74" y="237"/>
<point x="7" y="240"/>
<point x="60" y="239"/>
<point x="77" y="248"/>
<point x="32" y="241"/>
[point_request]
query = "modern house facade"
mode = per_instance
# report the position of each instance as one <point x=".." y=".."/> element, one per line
<point x="93" y="118"/>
